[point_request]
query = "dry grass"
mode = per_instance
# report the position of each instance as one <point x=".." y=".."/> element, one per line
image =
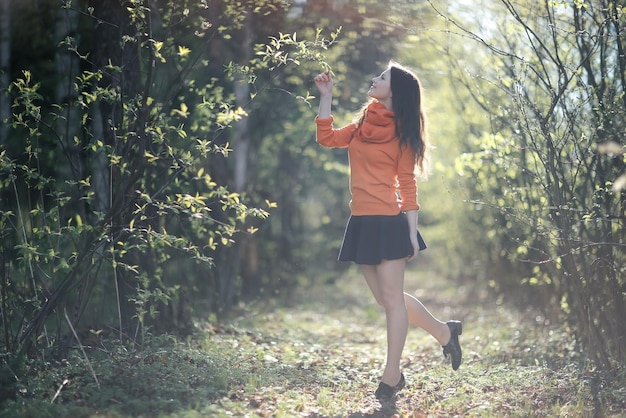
<point x="321" y="356"/>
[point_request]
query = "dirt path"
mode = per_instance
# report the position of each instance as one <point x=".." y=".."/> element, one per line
<point x="328" y="351"/>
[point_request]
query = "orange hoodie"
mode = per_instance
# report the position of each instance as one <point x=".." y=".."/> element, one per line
<point x="382" y="175"/>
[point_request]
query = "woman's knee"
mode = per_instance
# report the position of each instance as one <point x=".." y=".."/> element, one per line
<point x="391" y="297"/>
<point x="391" y="285"/>
<point x="390" y="300"/>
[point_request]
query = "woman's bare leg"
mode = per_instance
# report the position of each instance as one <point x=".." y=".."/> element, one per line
<point x="421" y="317"/>
<point x="386" y="281"/>
<point x="371" y="278"/>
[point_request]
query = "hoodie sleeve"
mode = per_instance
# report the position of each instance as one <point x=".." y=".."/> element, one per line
<point x="329" y="137"/>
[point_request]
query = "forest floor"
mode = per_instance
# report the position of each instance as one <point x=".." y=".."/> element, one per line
<point x="322" y="356"/>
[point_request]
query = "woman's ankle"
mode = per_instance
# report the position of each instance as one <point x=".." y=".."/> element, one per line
<point x="444" y="335"/>
<point x="391" y="378"/>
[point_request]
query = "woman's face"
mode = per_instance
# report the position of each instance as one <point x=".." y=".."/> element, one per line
<point x="381" y="87"/>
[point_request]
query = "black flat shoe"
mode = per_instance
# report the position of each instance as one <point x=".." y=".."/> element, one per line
<point x="386" y="393"/>
<point x="453" y="348"/>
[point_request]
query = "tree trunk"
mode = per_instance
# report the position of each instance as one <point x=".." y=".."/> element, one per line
<point x="247" y="245"/>
<point x="5" y="65"/>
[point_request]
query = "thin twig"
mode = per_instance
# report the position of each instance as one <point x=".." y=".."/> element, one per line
<point x="81" y="349"/>
<point x="58" y="392"/>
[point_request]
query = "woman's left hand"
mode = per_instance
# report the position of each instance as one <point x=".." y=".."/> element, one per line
<point x="416" y="248"/>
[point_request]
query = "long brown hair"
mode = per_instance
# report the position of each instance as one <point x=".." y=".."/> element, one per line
<point x="410" y="122"/>
<point x="406" y="99"/>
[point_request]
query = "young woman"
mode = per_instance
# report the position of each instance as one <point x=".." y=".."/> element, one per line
<point x="386" y="142"/>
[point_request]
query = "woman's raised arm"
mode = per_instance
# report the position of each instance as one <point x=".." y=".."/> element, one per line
<point x="324" y="83"/>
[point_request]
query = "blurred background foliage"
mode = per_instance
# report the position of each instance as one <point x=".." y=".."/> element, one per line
<point x="158" y="159"/>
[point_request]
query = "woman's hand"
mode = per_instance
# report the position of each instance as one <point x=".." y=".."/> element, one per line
<point x="416" y="248"/>
<point x="411" y="217"/>
<point x="324" y="83"/>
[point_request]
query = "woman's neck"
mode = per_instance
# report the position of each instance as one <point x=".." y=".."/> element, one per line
<point x="387" y="103"/>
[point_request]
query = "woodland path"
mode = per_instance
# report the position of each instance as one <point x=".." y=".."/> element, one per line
<point x="327" y="351"/>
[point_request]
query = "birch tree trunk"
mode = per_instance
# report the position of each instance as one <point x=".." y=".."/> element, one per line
<point x="228" y="271"/>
